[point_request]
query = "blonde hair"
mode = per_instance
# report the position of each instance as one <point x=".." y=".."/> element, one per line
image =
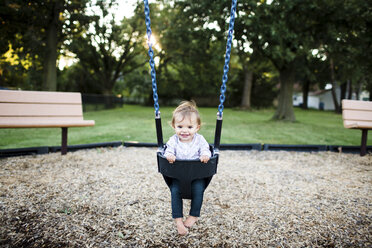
<point x="186" y="109"/>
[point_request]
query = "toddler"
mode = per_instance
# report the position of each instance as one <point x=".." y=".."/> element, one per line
<point x="187" y="144"/>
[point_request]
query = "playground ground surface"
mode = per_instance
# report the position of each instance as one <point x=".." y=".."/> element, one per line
<point x="114" y="197"/>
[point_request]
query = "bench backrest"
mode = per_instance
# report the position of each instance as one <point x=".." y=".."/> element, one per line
<point x="31" y="106"/>
<point x="357" y="114"/>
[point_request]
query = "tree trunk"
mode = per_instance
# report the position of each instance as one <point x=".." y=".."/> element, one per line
<point x="369" y="88"/>
<point x="333" y="81"/>
<point x="246" y="99"/>
<point x="358" y="89"/>
<point x="343" y="87"/>
<point x="350" y="89"/>
<point x="50" y="58"/>
<point x="108" y="98"/>
<point x="305" y="94"/>
<point x="285" y="101"/>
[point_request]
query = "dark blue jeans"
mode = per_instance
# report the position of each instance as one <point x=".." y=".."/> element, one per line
<point x="197" y="193"/>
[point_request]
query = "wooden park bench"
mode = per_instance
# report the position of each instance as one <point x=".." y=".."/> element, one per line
<point x="358" y="115"/>
<point x="39" y="109"/>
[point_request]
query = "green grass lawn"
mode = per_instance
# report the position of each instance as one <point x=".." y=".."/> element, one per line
<point x="136" y="123"/>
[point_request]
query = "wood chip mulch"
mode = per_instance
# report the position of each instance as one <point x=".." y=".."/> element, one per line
<point x="114" y="197"/>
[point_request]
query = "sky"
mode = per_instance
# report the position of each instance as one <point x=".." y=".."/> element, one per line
<point x="125" y="8"/>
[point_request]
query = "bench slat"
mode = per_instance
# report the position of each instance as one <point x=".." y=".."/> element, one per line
<point x="39" y="97"/>
<point x="356" y="105"/>
<point x="20" y="109"/>
<point x="357" y="115"/>
<point x="40" y="118"/>
<point x="46" y="123"/>
<point x="358" y="124"/>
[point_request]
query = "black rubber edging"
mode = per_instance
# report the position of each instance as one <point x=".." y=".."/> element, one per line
<point x="23" y="151"/>
<point x="222" y="147"/>
<point x="139" y="144"/>
<point x="45" y="149"/>
<point x="236" y="147"/>
<point x="256" y="146"/>
<point x="348" y="149"/>
<point x="73" y="148"/>
<point x="295" y="148"/>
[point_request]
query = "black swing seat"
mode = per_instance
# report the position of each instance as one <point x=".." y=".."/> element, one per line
<point x="186" y="171"/>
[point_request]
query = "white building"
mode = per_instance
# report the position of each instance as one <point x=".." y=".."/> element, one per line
<point x="312" y="101"/>
<point x="323" y="99"/>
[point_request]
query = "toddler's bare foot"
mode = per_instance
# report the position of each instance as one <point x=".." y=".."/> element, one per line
<point x="190" y="221"/>
<point x="182" y="230"/>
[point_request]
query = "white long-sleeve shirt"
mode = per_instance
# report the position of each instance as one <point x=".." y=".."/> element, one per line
<point x="192" y="150"/>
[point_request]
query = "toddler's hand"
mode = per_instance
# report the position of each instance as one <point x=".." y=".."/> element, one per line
<point x="171" y="158"/>
<point x="204" y="158"/>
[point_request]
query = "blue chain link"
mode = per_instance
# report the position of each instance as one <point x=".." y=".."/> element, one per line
<point x="151" y="61"/>
<point x="227" y="57"/>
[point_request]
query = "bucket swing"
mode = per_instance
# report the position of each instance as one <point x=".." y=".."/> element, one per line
<point x="188" y="170"/>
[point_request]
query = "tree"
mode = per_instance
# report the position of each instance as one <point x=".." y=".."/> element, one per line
<point x="38" y="30"/>
<point x="345" y="37"/>
<point x="191" y="55"/>
<point x="247" y="59"/>
<point x="309" y="72"/>
<point x="283" y="31"/>
<point x="250" y="62"/>
<point x="109" y="51"/>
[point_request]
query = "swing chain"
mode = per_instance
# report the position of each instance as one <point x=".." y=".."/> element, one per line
<point x="227" y="57"/>
<point x="151" y="61"/>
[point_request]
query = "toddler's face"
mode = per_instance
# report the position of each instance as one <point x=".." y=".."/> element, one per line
<point x="186" y="127"/>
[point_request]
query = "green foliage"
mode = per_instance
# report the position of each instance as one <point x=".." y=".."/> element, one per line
<point x="345" y="36"/>
<point x="264" y="85"/>
<point x="278" y="41"/>
<point x="75" y="78"/>
<point x="34" y="27"/>
<point x="191" y="56"/>
<point x="136" y="86"/>
<point x="264" y="91"/>
<point x="109" y="52"/>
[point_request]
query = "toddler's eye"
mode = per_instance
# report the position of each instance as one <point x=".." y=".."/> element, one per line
<point x="179" y="126"/>
<point x="190" y="127"/>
